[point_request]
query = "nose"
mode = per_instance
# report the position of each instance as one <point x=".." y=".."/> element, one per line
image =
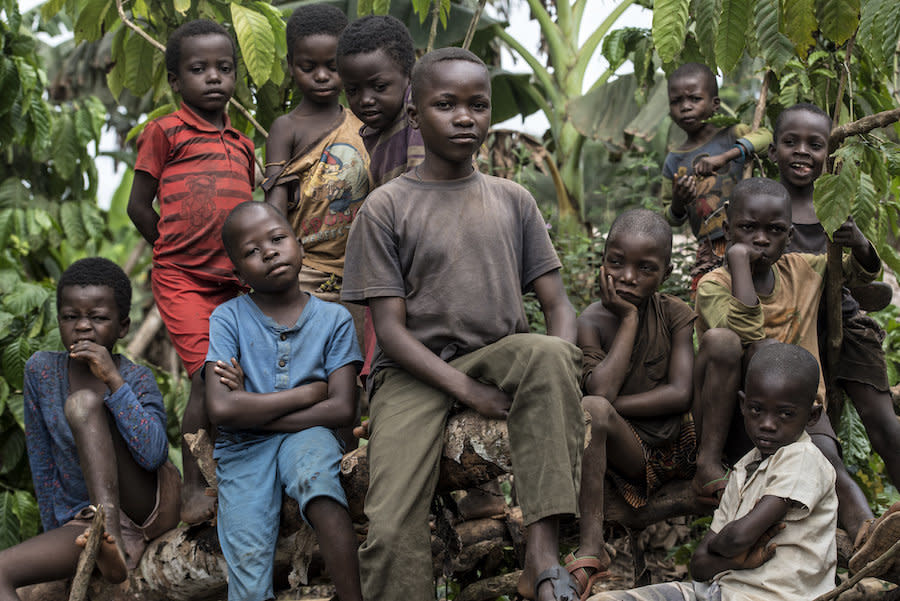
<point x="463" y="118"/>
<point x="213" y="75"/>
<point x="760" y="237"/>
<point x="767" y="423"/>
<point x="83" y="323"/>
<point x="269" y="253"/>
<point x="321" y="74"/>
<point x="368" y="98"/>
<point x="627" y="274"/>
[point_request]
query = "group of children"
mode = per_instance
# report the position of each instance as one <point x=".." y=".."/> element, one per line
<point x="381" y="206"/>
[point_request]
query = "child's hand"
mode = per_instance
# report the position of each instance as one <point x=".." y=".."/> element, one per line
<point x="231" y="376"/>
<point x="611" y="300"/>
<point x="762" y="551"/>
<point x="487" y="400"/>
<point x="709" y="165"/>
<point x="850" y="236"/>
<point x="684" y="191"/>
<point x="740" y="252"/>
<point x="100" y="362"/>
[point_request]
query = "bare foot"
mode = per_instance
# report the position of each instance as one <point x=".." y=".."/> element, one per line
<point x="196" y="506"/>
<point x="110" y="558"/>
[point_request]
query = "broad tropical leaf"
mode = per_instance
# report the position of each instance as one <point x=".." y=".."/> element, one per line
<point x="9" y="523"/>
<point x="72" y="225"/>
<point x="669" y="26"/>
<point x="89" y="23"/>
<point x="799" y="23"/>
<point x="256" y="40"/>
<point x="866" y="206"/>
<point x="22" y="300"/>
<point x="869" y="35"/>
<point x="26" y="509"/>
<point x="66" y="149"/>
<point x="13" y="359"/>
<point x="838" y="19"/>
<point x="775" y="47"/>
<point x="834" y="197"/>
<point x="12" y="449"/>
<point x="139" y="70"/>
<point x="706" y="22"/>
<point x="732" y="35"/>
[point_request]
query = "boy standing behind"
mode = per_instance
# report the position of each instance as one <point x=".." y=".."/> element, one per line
<point x="375" y="57"/>
<point x="281" y="374"/>
<point x="772" y="536"/>
<point x="316" y="165"/>
<point x="696" y="183"/>
<point x="414" y="249"/>
<point x="199" y="168"/>
<point x="638" y="356"/>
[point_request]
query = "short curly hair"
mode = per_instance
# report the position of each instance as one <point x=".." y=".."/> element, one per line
<point x="697" y="70"/>
<point x="374" y="32"/>
<point x="313" y="19"/>
<point x="97" y="271"/>
<point x="189" y="30"/>
<point x="804" y="107"/>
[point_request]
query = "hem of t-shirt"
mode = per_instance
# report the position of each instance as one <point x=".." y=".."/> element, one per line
<point x="362" y="295"/>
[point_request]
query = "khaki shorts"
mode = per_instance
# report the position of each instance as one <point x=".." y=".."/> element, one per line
<point x="164" y="517"/>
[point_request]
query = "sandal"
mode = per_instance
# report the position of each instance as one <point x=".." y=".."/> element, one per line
<point x="564" y="586"/>
<point x="578" y="567"/>
<point x="875" y="537"/>
<point x="711" y="492"/>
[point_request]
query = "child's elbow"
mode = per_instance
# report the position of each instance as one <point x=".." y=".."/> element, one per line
<point x="345" y="414"/>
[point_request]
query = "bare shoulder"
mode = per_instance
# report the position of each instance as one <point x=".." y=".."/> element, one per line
<point x="597" y="322"/>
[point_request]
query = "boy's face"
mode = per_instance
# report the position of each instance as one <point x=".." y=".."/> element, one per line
<point x="206" y="74"/>
<point x="801" y="148"/>
<point x="775" y="413"/>
<point x="90" y="314"/>
<point x="763" y="223"/>
<point x="690" y="102"/>
<point x="314" y="68"/>
<point x="453" y="110"/>
<point x="375" y="87"/>
<point x="638" y="266"/>
<point x="267" y="256"/>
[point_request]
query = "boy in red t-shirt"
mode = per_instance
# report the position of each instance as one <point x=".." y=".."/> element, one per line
<point x="199" y="168"/>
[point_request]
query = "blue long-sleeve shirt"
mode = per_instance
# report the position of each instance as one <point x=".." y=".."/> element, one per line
<point x="137" y="408"/>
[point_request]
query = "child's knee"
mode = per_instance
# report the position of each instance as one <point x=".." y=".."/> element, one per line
<point x="82" y="404"/>
<point x="601" y="411"/>
<point x="721" y="345"/>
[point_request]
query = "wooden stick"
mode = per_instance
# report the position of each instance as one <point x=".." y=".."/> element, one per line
<point x="758" y="115"/>
<point x="435" y="14"/>
<point x="145" y="334"/>
<point x="862" y="126"/>
<point x="869" y="568"/>
<point x="474" y="24"/>
<point x="88" y="558"/>
<point x="201" y="447"/>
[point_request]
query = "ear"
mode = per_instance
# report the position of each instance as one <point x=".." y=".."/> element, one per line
<point x="716" y="103"/>
<point x="742" y="401"/>
<point x="667" y="273"/>
<point x="124" y="325"/>
<point x="302" y="252"/>
<point x="173" y="82"/>
<point x="413" y="113"/>
<point x="726" y="229"/>
<point x="790" y="234"/>
<point x="771" y="151"/>
<point x="237" y="274"/>
<point x="814" y="415"/>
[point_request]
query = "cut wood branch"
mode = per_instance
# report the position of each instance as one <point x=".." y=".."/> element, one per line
<point x="88" y="558"/>
<point x="758" y="115"/>
<point x="201" y="447"/>
<point x="862" y="126"/>
<point x="873" y="567"/>
<point x="145" y="334"/>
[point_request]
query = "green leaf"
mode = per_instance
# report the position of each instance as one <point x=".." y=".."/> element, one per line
<point x="869" y="34"/>
<point x="619" y="43"/>
<point x="866" y="206"/>
<point x="26" y="509"/>
<point x="889" y="19"/>
<point x="50" y="8"/>
<point x="72" y="225"/>
<point x="833" y="198"/>
<point x="16" y="405"/>
<point x="883" y="246"/>
<point x="89" y="23"/>
<point x="4" y="393"/>
<point x="364" y="7"/>
<point x="775" y="47"/>
<point x="139" y="70"/>
<point x="25" y="298"/>
<point x="854" y="441"/>
<point x="669" y="26"/>
<point x="256" y="40"/>
<point x="799" y="23"/>
<point x="838" y="19"/>
<point x="182" y="6"/>
<point x="706" y="23"/>
<point x="732" y="35"/>
<point x="12" y="449"/>
<point x="93" y="221"/>
<point x="9" y="524"/>
<point x="154" y="114"/>
<point x="66" y="149"/>
<point x="13" y="359"/>
<point x="9" y="84"/>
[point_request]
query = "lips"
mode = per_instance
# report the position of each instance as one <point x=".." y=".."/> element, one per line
<point x="278" y="269"/>
<point x="801" y="168"/>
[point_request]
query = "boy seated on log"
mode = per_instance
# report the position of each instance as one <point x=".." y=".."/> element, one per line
<point x="773" y="534"/>
<point x="95" y="429"/>
<point x="442" y="255"/>
<point x="281" y="376"/>
<point x="638" y="357"/>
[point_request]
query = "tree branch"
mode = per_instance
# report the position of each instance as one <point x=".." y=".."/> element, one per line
<point x="862" y="126"/>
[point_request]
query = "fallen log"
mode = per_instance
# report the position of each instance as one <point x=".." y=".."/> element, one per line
<point x="186" y="563"/>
